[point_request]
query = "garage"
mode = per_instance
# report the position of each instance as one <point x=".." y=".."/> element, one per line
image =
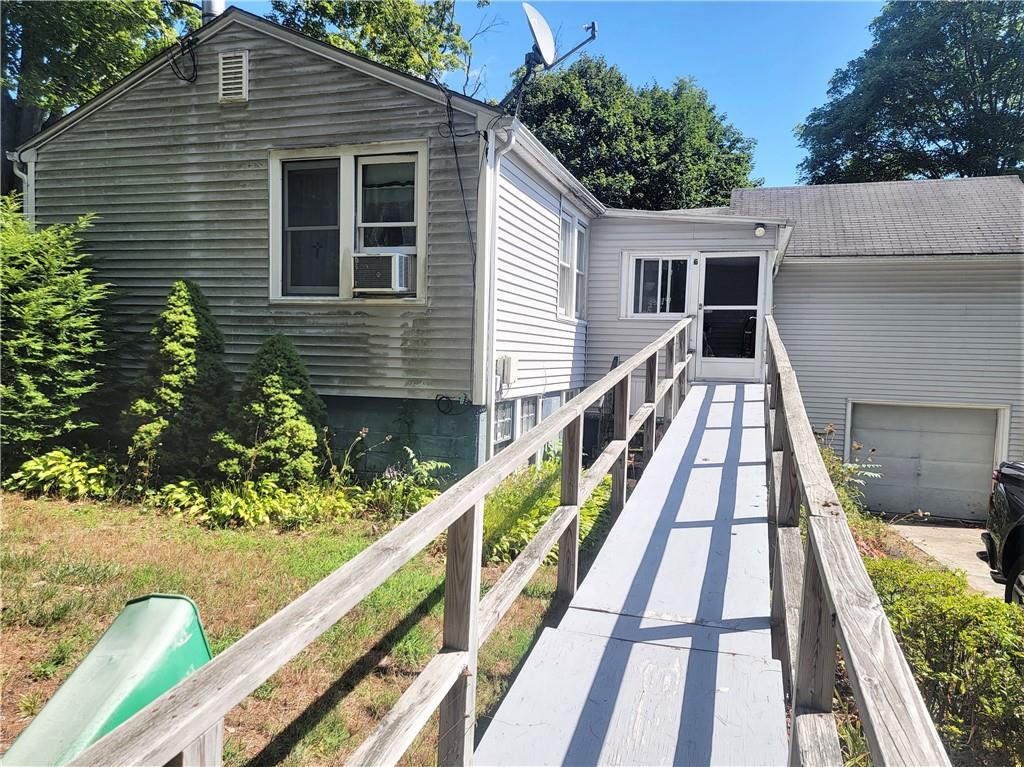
<point x="937" y="459"/>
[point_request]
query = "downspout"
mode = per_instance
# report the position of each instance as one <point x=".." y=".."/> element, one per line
<point x="24" y="168"/>
<point x="494" y="156"/>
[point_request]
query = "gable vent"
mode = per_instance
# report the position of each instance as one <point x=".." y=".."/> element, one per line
<point x="234" y="77"/>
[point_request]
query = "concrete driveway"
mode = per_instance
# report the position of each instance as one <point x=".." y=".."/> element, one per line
<point x="956" y="547"/>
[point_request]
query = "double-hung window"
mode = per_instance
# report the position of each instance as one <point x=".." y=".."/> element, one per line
<point x="329" y="206"/>
<point x="572" y="267"/>
<point x="657" y="285"/>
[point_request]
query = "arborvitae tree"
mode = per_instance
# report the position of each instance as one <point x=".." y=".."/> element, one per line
<point x="50" y="314"/>
<point x="183" y="393"/>
<point x="278" y="423"/>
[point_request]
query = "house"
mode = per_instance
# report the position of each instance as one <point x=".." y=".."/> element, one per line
<point x="902" y="307"/>
<point x="449" y="282"/>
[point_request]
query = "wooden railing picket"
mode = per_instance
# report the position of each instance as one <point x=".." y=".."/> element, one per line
<point x="569" y="543"/>
<point x="670" y="375"/>
<point x="184" y="725"/>
<point x="620" y="427"/>
<point x="461" y="607"/>
<point x="650" y="398"/>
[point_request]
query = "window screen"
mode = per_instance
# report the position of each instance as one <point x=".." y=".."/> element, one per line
<point x="581" y="272"/>
<point x="310" y="227"/>
<point x="659" y="286"/>
<point x="565" y="242"/>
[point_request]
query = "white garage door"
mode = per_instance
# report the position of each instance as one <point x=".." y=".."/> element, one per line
<point x="938" y="459"/>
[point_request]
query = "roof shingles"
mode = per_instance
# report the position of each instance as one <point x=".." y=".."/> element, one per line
<point x="960" y="216"/>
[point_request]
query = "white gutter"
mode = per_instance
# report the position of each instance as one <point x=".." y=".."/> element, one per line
<point x="495" y="154"/>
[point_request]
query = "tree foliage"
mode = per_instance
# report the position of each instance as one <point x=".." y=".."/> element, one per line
<point x="59" y="54"/>
<point x="652" y="147"/>
<point x="419" y="38"/>
<point x="183" y="393"/>
<point x="278" y="423"/>
<point x="940" y="92"/>
<point x="53" y="342"/>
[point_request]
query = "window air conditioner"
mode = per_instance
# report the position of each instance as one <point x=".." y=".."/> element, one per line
<point x="382" y="273"/>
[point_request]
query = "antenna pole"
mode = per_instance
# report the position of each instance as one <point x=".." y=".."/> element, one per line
<point x="593" y="36"/>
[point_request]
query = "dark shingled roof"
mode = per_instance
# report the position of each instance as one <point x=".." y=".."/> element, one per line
<point x="957" y="216"/>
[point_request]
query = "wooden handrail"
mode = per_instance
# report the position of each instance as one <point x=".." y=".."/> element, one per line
<point x="188" y="718"/>
<point x="822" y="596"/>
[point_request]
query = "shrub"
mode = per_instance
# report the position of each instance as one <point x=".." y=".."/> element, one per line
<point x="402" y="490"/>
<point x="254" y="503"/>
<point x="183" y="392"/>
<point x="52" y="337"/>
<point x="61" y="474"/>
<point x="523" y="502"/>
<point x="967" y="653"/>
<point x="278" y="423"/>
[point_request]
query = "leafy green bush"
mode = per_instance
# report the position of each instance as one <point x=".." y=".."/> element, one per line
<point x="183" y="392"/>
<point x="50" y="312"/>
<point x="278" y="423"/>
<point x="254" y="503"/>
<point x="61" y="474"/>
<point x="402" y="490"/>
<point x="523" y="502"/>
<point x="967" y="653"/>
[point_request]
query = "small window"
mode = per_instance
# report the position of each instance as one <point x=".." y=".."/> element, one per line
<point x="234" y="77"/>
<point x="581" y="272"/>
<point x="503" y="421"/>
<point x="311" y="228"/>
<point x="659" y="286"/>
<point x="386" y="213"/>
<point x="565" y="268"/>
<point x="527" y="414"/>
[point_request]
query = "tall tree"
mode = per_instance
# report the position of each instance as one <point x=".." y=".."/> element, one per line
<point x="940" y="92"/>
<point x="650" y="147"/>
<point x="421" y="38"/>
<point x="57" y="55"/>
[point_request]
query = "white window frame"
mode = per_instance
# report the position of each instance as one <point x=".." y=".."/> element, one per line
<point x="524" y="427"/>
<point x="504" y="442"/>
<point x="570" y="263"/>
<point x="349" y="155"/>
<point x="383" y="159"/>
<point x="628" y="282"/>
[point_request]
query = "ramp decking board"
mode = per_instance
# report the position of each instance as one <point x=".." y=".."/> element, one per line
<point x="664" y="655"/>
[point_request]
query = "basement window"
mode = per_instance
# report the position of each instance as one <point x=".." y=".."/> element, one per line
<point x="504" y="421"/>
<point x="234" y="77"/>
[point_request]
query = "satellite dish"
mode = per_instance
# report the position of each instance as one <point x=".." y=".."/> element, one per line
<point x="542" y="56"/>
<point x="543" y="40"/>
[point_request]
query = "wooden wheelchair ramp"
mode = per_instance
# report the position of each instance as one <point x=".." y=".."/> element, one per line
<point x="664" y="655"/>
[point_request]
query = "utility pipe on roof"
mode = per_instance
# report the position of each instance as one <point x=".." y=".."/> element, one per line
<point x="494" y="156"/>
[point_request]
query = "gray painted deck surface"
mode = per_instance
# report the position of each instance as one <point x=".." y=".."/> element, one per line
<point x="664" y="655"/>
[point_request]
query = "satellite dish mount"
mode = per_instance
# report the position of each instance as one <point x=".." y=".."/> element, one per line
<point x="542" y="56"/>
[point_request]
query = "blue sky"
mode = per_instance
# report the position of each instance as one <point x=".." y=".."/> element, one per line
<point x="764" y="64"/>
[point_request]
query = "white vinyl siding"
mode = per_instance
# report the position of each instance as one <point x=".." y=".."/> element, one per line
<point x="180" y="183"/>
<point x="612" y="330"/>
<point x="912" y="331"/>
<point x="549" y="349"/>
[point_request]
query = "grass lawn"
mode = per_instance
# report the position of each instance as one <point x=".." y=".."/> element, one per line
<point x="68" y="569"/>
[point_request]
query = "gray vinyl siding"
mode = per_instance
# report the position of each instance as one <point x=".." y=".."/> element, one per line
<point x="933" y="332"/>
<point x="179" y="184"/>
<point x="609" y="331"/>
<point x="550" y="350"/>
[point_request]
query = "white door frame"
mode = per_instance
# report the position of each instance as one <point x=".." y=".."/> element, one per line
<point x="724" y="368"/>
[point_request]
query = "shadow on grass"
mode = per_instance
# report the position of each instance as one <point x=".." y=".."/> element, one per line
<point x="282" y="744"/>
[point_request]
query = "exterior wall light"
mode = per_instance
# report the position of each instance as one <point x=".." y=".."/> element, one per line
<point x="759" y="230"/>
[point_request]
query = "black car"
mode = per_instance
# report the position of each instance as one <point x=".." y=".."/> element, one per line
<point x="1004" y="538"/>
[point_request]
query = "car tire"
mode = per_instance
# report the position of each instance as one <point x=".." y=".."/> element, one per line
<point x="1015" y="583"/>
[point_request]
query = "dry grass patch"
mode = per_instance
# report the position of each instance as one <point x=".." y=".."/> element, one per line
<point x="68" y="569"/>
